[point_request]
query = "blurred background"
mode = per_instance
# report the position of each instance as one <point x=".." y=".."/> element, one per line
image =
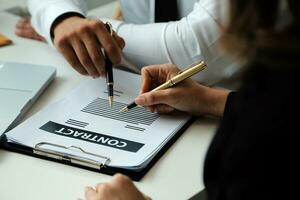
<point x="19" y="6"/>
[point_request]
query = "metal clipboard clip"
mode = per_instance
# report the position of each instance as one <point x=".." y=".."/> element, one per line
<point x="39" y="150"/>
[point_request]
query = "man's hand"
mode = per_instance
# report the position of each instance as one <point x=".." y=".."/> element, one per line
<point x="120" y="188"/>
<point x="188" y="96"/>
<point x="80" y="41"/>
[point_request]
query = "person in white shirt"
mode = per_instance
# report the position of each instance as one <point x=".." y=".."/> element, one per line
<point x="193" y="37"/>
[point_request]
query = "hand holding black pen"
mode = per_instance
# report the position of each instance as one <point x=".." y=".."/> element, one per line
<point x="109" y="71"/>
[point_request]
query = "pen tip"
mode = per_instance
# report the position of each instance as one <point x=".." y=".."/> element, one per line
<point x="110" y="100"/>
<point x="125" y="109"/>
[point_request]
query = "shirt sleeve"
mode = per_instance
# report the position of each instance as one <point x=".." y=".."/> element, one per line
<point x="183" y="42"/>
<point x="45" y="12"/>
<point x="193" y="38"/>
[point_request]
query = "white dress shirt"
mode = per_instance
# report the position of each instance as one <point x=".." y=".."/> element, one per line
<point x="193" y="38"/>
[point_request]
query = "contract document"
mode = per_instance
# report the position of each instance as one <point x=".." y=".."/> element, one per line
<point x="83" y="125"/>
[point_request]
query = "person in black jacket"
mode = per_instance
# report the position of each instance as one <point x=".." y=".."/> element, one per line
<point x="255" y="150"/>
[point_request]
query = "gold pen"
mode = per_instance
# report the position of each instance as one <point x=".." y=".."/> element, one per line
<point x="182" y="75"/>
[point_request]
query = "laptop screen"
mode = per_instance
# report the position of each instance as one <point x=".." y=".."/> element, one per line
<point x="20" y="85"/>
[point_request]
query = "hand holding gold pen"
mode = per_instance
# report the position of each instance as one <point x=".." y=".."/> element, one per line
<point x="182" y="75"/>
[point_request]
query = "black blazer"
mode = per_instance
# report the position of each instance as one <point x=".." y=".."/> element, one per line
<point x="255" y="151"/>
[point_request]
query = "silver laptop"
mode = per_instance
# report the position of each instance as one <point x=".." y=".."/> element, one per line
<point x="20" y="86"/>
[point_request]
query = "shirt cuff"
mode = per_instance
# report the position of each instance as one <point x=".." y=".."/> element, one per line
<point x="43" y="19"/>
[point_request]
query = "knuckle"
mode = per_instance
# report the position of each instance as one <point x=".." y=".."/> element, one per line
<point x="122" y="179"/>
<point x="110" y="48"/>
<point x="96" y="24"/>
<point x="103" y="188"/>
<point x="82" y="30"/>
<point x="61" y="42"/>
<point x="121" y="42"/>
<point x="70" y="35"/>
<point x="144" y="70"/>
<point x="98" y="186"/>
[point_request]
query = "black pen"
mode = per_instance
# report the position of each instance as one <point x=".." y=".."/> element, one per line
<point x="109" y="71"/>
<point x="181" y="76"/>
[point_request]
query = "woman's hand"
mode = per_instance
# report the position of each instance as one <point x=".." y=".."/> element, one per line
<point x="188" y="96"/>
<point x="120" y="188"/>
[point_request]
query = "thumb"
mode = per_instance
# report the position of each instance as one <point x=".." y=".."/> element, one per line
<point x="154" y="97"/>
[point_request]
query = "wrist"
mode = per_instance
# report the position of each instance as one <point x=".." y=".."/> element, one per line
<point x="62" y="18"/>
<point x="215" y="101"/>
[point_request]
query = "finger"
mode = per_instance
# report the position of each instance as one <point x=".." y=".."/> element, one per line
<point x="94" y="50"/>
<point x="72" y="59"/>
<point x="160" y="108"/>
<point x="84" y="58"/>
<point x="164" y="109"/>
<point x="152" y="109"/>
<point x="148" y="108"/>
<point x="90" y="194"/>
<point x="120" y="178"/>
<point x="150" y="75"/>
<point x="146" y="81"/>
<point x="98" y="186"/>
<point x="23" y="21"/>
<point x="25" y="32"/>
<point x="108" y="43"/>
<point x="104" y="190"/>
<point x="155" y="97"/>
<point x="20" y="24"/>
<point x="25" y="29"/>
<point x="120" y="41"/>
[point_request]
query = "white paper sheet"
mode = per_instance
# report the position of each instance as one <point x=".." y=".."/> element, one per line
<point x="84" y="119"/>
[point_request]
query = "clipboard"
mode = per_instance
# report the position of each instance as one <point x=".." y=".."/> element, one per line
<point x="129" y="143"/>
<point x="43" y="153"/>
